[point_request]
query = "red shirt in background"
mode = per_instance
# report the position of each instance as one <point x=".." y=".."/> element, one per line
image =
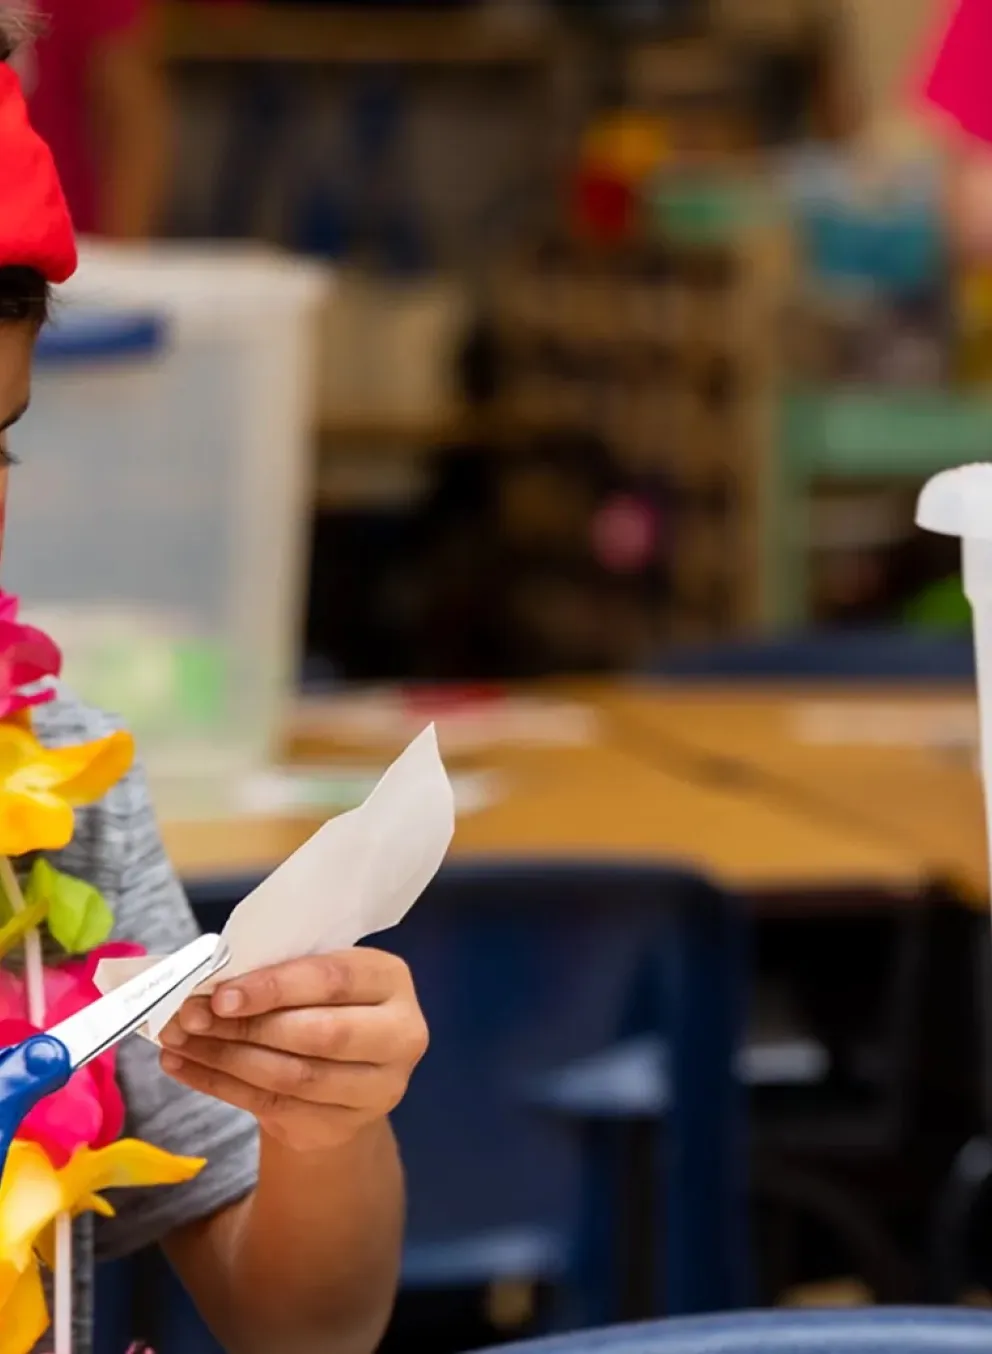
<point x="57" y="70"/>
<point x="960" y="80"/>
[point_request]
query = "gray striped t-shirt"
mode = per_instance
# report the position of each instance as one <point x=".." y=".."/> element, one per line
<point x="117" y="848"/>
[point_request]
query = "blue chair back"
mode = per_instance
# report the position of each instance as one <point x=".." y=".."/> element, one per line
<point x="880" y="1330"/>
<point x="523" y="967"/>
<point x="840" y="655"/>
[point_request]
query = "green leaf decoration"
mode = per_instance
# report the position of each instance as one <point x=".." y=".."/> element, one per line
<point x="78" y="916"/>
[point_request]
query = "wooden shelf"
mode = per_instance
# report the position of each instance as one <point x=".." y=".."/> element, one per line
<point x="386" y="433"/>
<point x="212" y="32"/>
<point x="416" y="436"/>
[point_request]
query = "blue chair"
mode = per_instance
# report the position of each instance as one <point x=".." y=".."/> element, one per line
<point x="590" y="954"/>
<point x="878" y="1330"/>
<point x="882" y="655"/>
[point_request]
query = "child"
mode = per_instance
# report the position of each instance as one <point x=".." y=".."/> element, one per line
<point x="289" y="1240"/>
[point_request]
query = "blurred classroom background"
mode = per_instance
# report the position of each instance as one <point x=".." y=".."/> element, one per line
<point x="565" y="372"/>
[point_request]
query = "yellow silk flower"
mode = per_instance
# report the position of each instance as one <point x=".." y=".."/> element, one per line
<point x="40" y="787"/>
<point x="24" y="1315"/>
<point x="33" y="1193"/>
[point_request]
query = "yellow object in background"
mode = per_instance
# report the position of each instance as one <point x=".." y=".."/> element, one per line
<point x="974" y="326"/>
<point x="631" y="145"/>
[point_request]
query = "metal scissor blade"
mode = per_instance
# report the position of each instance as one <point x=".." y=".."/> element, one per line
<point x="105" y="1022"/>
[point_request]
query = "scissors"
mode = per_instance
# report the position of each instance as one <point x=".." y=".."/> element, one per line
<point x="44" y="1063"/>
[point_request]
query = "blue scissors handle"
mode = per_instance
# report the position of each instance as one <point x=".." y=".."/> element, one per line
<point x="28" y="1072"/>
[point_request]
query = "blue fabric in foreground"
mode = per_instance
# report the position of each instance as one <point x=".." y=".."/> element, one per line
<point x="880" y="1330"/>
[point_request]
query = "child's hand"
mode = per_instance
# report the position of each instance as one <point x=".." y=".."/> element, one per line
<point x="315" y="1049"/>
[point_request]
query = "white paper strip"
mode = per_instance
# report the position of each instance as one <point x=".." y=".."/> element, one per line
<point x="359" y="874"/>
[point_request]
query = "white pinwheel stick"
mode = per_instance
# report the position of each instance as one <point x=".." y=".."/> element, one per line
<point x="959" y="503"/>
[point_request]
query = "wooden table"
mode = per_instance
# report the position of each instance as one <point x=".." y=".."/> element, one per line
<point x="233" y="847"/>
<point x="898" y="765"/>
<point x="600" y="798"/>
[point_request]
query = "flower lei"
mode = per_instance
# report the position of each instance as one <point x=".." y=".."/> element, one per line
<point x="68" y="1150"/>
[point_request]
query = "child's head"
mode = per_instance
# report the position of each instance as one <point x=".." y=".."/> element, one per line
<point x="36" y="244"/>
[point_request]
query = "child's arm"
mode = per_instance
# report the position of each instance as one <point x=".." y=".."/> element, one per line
<point x="129" y="100"/>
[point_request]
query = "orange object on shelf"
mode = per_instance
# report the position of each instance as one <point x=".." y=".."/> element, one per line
<point x="631" y="146"/>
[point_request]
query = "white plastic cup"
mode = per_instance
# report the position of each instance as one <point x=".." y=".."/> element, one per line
<point x="959" y="503"/>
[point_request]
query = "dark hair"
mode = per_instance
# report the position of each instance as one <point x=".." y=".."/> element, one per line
<point x="23" y="291"/>
<point x="24" y="294"/>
